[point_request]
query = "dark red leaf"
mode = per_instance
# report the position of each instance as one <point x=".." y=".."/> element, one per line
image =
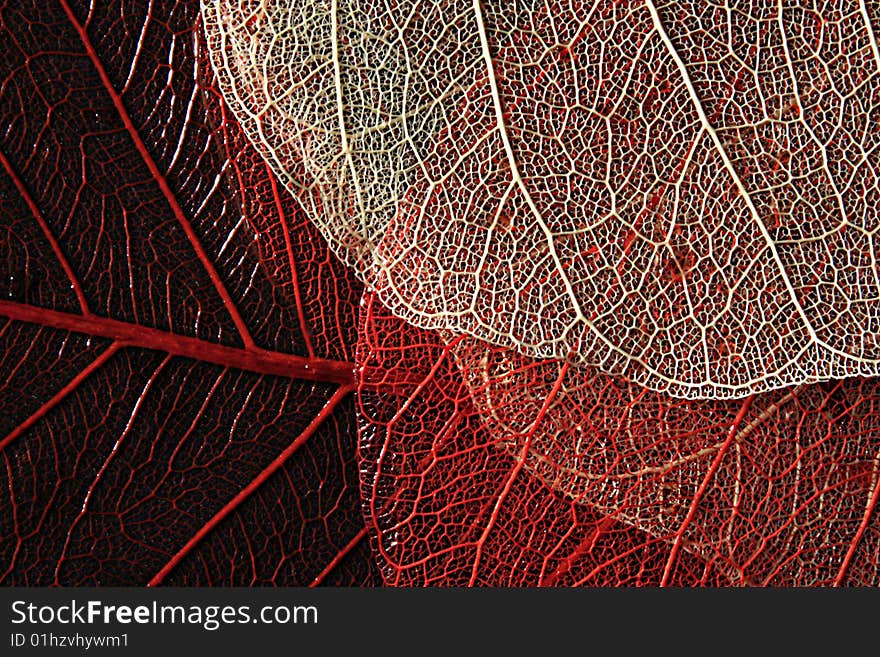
<point x="176" y="342"/>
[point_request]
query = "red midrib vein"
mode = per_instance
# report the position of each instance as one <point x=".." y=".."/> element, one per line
<point x="160" y="179"/>
<point x="252" y="359"/>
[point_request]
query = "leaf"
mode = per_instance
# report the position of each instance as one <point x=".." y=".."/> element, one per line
<point x="147" y="439"/>
<point x="683" y="194"/>
<point x="524" y="473"/>
<point x="658" y="197"/>
<point x="176" y="349"/>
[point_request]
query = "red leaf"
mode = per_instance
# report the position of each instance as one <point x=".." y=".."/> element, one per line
<point x="535" y="473"/>
<point x="176" y="348"/>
